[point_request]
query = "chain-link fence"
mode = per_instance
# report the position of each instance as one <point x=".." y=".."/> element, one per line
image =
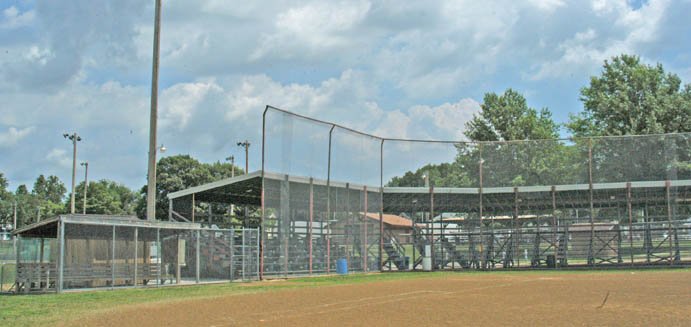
<point x="7" y="261"/>
<point x="332" y="193"/>
<point x="88" y="252"/>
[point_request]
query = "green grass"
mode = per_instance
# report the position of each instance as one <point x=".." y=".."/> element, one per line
<point x="49" y="309"/>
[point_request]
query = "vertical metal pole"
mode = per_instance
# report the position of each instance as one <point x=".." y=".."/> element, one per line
<point x="86" y="183"/>
<point x="669" y="223"/>
<point x="381" y="207"/>
<point x="112" y="261"/>
<point x="257" y="271"/>
<point x="153" y="119"/>
<point x="364" y="248"/>
<point x="517" y="228"/>
<point x="74" y="169"/>
<point x="554" y="227"/>
<point x="232" y="254"/>
<point x="18" y="255"/>
<point x="197" y="259"/>
<point x="431" y="218"/>
<point x="310" y="226"/>
<point x="159" y="255"/>
<point x="591" y="259"/>
<point x="61" y="256"/>
<point x="349" y="227"/>
<point x="261" y="234"/>
<point x="40" y="266"/>
<point x="136" y="255"/>
<point x="244" y="255"/>
<point x="328" y="207"/>
<point x="482" y="242"/>
<point x="628" y="205"/>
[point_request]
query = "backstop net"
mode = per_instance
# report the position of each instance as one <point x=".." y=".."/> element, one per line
<point x="334" y="196"/>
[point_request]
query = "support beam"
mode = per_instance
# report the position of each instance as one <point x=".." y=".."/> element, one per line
<point x="554" y="227"/>
<point x="482" y="243"/>
<point x="669" y="223"/>
<point x="591" y="258"/>
<point x="311" y="240"/>
<point x="364" y="248"/>
<point x="136" y="246"/>
<point x="630" y="212"/>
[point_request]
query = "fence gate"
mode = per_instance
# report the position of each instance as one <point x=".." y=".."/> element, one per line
<point x="245" y="255"/>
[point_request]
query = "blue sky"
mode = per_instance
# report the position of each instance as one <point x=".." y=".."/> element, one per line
<point x="398" y="69"/>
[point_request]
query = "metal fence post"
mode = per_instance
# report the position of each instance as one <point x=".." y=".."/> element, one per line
<point x="669" y="223"/>
<point x="198" y="252"/>
<point x="258" y="243"/>
<point x="232" y="254"/>
<point x="591" y="258"/>
<point x="159" y="255"/>
<point x="61" y="257"/>
<point x="136" y="248"/>
<point x="112" y="260"/>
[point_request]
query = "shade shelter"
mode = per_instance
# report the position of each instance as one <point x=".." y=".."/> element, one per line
<point x="72" y="252"/>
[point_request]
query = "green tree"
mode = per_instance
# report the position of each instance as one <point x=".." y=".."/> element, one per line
<point x="107" y="198"/>
<point x="633" y="98"/>
<point x="175" y="173"/>
<point x="6" y="202"/>
<point x="49" y="189"/>
<point x="507" y="117"/>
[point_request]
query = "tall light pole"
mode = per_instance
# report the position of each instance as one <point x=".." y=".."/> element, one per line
<point x="232" y="165"/>
<point x="74" y="138"/>
<point x="86" y="182"/>
<point x="246" y="145"/>
<point x="151" y="183"/>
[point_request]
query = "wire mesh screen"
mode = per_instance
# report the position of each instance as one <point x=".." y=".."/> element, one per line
<point x="333" y="193"/>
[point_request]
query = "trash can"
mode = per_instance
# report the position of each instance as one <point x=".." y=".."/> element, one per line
<point x="342" y="266"/>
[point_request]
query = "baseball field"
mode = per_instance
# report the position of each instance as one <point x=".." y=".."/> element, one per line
<point x="526" y="298"/>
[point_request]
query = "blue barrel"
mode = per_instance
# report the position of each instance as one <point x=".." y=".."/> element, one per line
<point x="342" y="266"/>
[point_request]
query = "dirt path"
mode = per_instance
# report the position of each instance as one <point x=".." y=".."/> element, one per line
<point x="641" y="298"/>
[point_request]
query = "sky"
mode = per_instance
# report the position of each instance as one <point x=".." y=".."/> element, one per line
<point x="405" y="69"/>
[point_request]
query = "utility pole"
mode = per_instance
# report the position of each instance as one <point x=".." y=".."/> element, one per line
<point x="74" y="138"/>
<point x="232" y="165"/>
<point x="246" y="145"/>
<point x="151" y="183"/>
<point x="86" y="182"/>
<point x="232" y="174"/>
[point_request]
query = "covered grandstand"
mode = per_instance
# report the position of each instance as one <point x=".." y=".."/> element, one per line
<point x="323" y="194"/>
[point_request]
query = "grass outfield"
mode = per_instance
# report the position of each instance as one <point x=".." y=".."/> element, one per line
<point x="51" y="309"/>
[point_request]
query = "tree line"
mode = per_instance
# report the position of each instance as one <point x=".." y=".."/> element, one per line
<point x="629" y="97"/>
<point x="49" y="196"/>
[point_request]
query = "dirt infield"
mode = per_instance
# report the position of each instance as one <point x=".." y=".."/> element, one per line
<point x="652" y="298"/>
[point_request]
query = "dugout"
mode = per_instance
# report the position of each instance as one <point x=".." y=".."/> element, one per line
<point x="75" y="252"/>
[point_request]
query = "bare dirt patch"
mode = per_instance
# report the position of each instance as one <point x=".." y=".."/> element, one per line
<point x="641" y="298"/>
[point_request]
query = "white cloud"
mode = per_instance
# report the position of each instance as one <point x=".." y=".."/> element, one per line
<point x="14" y="135"/>
<point x="14" y="19"/>
<point x="59" y="157"/>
